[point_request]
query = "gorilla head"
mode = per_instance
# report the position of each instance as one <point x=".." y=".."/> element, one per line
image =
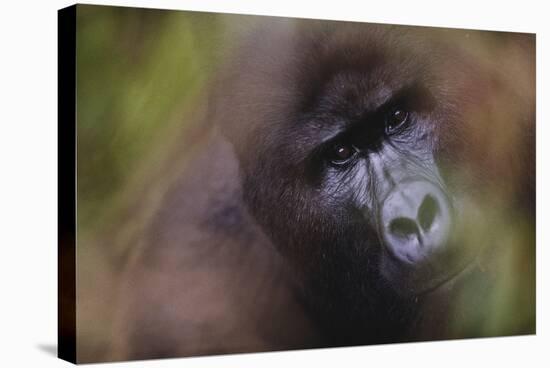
<point x="380" y="160"/>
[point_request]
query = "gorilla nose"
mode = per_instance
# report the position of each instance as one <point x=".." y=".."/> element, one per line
<point x="415" y="221"/>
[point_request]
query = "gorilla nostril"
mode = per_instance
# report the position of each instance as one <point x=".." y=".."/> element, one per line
<point x="427" y="213"/>
<point x="403" y="227"/>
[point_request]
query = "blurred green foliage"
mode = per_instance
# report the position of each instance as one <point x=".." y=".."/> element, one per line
<point x="138" y="72"/>
<point x="140" y="75"/>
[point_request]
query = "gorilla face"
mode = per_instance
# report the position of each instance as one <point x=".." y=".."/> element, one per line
<point x="372" y="156"/>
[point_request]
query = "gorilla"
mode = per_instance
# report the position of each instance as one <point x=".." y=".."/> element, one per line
<point x="345" y="184"/>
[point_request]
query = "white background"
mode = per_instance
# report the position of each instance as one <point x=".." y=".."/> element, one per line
<point x="28" y="182"/>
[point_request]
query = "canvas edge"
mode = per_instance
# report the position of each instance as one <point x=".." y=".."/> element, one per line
<point x="66" y="200"/>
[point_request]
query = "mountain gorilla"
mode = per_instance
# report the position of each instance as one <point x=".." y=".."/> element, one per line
<point x="348" y="184"/>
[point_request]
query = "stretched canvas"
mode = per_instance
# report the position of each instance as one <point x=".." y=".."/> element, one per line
<point x="237" y="184"/>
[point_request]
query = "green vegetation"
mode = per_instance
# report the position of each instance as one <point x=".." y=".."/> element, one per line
<point x="138" y="72"/>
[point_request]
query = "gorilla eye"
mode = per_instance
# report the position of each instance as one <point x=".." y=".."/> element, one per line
<point x="342" y="153"/>
<point x="395" y="119"/>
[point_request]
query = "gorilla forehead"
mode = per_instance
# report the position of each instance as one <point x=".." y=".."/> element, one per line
<point x="346" y="78"/>
<point x="337" y="80"/>
<point x="322" y="79"/>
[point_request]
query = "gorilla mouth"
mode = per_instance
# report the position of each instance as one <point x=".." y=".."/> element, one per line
<point x="437" y="273"/>
<point x="447" y="282"/>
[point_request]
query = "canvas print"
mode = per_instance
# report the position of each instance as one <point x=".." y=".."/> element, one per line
<point x="236" y="183"/>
